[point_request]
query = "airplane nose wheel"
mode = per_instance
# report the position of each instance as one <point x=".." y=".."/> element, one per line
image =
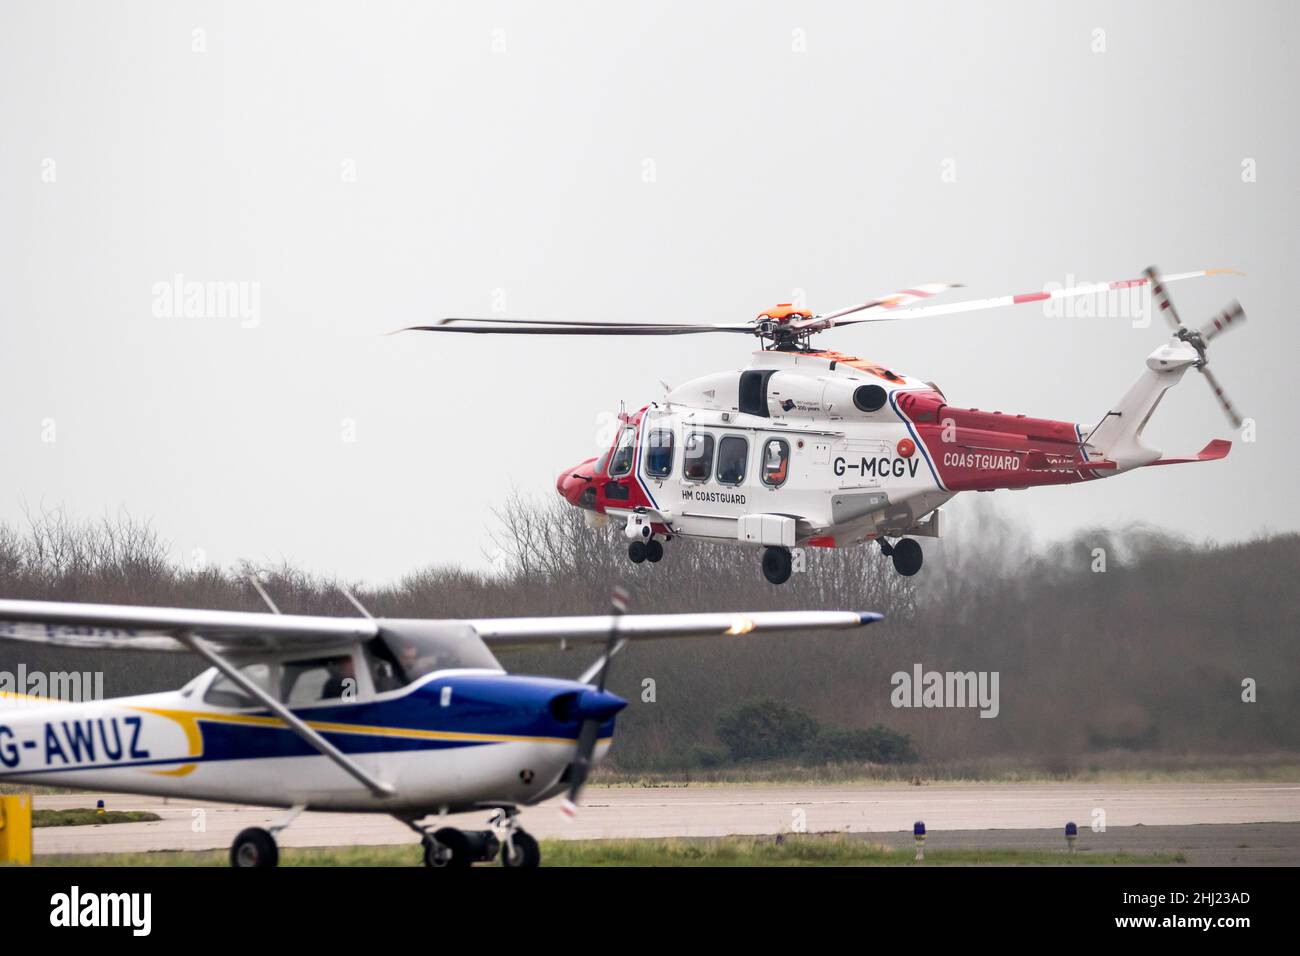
<point x="776" y="565"/>
<point x="519" y="851"/>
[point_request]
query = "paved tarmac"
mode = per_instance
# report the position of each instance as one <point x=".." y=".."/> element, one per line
<point x="978" y="814"/>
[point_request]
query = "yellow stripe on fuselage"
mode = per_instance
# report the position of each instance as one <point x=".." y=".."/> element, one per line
<point x="189" y="719"/>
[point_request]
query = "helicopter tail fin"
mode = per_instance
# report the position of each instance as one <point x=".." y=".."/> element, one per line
<point x="1118" y="436"/>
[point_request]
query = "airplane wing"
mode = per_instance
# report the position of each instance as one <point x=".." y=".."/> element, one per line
<point x="125" y="627"/>
<point x="499" y="632"/>
<point x="68" y="624"/>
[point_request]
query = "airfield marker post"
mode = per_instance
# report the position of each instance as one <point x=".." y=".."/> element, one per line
<point x="16" y="829"/>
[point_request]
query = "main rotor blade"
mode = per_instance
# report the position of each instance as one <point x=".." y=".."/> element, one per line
<point x="905" y="297"/>
<point x="1161" y="297"/>
<point x="1234" y="313"/>
<point x="1221" y="397"/>
<point x="975" y="305"/>
<point x="513" y="327"/>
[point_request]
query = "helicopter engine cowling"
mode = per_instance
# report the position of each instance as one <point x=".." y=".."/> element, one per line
<point x="792" y="395"/>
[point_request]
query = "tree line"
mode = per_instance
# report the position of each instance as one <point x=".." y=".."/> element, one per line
<point x="1115" y="640"/>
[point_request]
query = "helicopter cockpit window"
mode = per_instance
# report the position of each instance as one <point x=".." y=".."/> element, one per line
<point x="732" y="452"/>
<point x="621" y="463"/>
<point x="659" y="453"/>
<point x="698" y="460"/>
<point x="776" y="462"/>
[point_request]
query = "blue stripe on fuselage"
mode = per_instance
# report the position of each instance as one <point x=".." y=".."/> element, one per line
<point x="493" y="708"/>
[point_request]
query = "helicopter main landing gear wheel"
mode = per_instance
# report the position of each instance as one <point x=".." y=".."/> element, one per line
<point x="639" y="551"/>
<point x="254" y="847"/>
<point x="907" y="555"/>
<point x="776" y="565"/>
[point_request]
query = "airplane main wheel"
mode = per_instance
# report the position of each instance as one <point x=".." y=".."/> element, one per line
<point x="527" y="854"/>
<point x="654" y="551"/>
<point x="254" y="847"/>
<point x="907" y="557"/>
<point x="776" y="565"/>
<point x="636" y="552"/>
<point x="448" y="850"/>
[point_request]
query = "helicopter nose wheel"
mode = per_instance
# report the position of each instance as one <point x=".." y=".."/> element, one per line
<point x="776" y="565"/>
<point x="906" y="553"/>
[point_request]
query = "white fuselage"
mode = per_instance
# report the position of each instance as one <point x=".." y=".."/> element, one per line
<point x="174" y="744"/>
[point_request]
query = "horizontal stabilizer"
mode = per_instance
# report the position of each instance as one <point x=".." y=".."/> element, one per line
<point x="1041" y="461"/>
<point x="1215" y="450"/>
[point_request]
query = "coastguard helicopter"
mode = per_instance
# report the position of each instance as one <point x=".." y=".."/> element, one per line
<point x="807" y="447"/>
<point x="410" y="718"/>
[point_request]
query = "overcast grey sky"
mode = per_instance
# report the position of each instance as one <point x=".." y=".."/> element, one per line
<point x="362" y="166"/>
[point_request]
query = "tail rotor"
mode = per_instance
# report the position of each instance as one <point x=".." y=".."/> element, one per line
<point x="1233" y="315"/>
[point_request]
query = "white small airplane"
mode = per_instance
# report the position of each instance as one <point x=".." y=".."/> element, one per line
<point x="407" y="717"/>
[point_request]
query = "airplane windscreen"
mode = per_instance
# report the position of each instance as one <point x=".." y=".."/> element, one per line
<point x="412" y="649"/>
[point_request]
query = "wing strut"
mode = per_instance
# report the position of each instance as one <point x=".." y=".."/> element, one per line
<point x="327" y="749"/>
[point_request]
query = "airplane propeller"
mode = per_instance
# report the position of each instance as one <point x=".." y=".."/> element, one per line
<point x="589" y="732"/>
<point x="1199" y="339"/>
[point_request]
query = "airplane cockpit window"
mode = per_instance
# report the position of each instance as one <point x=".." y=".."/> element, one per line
<point x="322" y="678"/>
<point x="385" y="671"/>
<point x="732" y="452"/>
<point x="406" y="653"/>
<point x="698" y="460"/>
<point x="223" y="692"/>
<point x="659" y="453"/>
<point x="776" y="462"/>
<point x="621" y="463"/>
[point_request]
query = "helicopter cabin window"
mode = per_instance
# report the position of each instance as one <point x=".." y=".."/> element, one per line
<point x="732" y="452"/>
<point x="697" y="463"/>
<point x="621" y="463"/>
<point x="223" y="692"/>
<point x="319" y="679"/>
<point x="776" y="462"/>
<point x="753" y="391"/>
<point x="659" y="453"/>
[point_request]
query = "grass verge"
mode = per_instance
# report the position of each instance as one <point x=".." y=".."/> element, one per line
<point x="806" y="850"/>
<point x="85" y="817"/>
